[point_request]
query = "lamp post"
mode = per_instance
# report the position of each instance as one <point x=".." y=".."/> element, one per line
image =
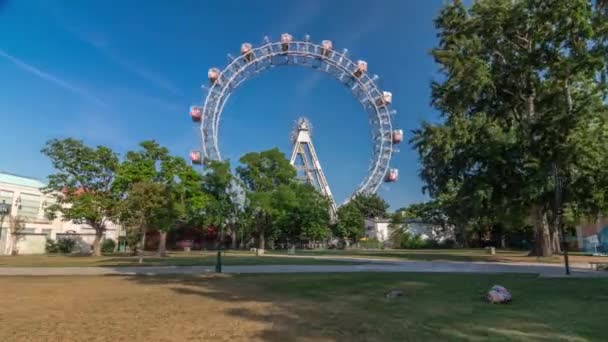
<point x="559" y="212"/>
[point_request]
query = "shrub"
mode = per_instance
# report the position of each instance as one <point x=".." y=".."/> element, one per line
<point x="64" y="246"/>
<point x="107" y="246"/>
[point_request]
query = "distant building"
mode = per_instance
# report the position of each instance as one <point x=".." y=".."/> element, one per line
<point x="428" y="231"/>
<point x="592" y="236"/>
<point x="377" y="228"/>
<point x="26" y="200"/>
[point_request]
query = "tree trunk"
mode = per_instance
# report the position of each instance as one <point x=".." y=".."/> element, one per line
<point x="13" y="245"/>
<point x="555" y="243"/>
<point x="142" y="248"/>
<point x="233" y="237"/>
<point x="97" y="241"/>
<point x="162" y="244"/>
<point x="261" y="243"/>
<point x="542" y="239"/>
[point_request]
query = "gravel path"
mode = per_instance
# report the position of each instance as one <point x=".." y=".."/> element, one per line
<point x="372" y="266"/>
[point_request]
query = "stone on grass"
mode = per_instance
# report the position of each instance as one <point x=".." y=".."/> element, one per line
<point x="499" y="295"/>
<point x="393" y="294"/>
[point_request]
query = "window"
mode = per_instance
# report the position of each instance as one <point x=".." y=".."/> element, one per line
<point x="29" y="205"/>
<point x="28" y="231"/>
<point x="7" y="197"/>
<point x="47" y="232"/>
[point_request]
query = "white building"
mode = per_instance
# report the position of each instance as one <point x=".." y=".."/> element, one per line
<point x="377" y="228"/>
<point x="428" y="231"/>
<point x="24" y="197"/>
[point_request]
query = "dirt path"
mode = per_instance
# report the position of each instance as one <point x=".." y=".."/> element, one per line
<point x="373" y="266"/>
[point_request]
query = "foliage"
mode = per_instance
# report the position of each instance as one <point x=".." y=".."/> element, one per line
<point x="108" y="246"/>
<point x="63" y="246"/>
<point x="351" y="223"/>
<point x="370" y="205"/>
<point x="522" y="96"/>
<point x="82" y="183"/>
<point x="305" y="213"/>
<point x="266" y="177"/>
<point x="160" y="191"/>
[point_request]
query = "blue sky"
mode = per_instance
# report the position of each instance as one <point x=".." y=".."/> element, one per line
<point x="119" y="72"/>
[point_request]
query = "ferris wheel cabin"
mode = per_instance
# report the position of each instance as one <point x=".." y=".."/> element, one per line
<point x="247" y="52"/>
<point x="213" y="74"/>
<point x="397" y="136"/>
<point x="195" y="157"/>
<point x="326" y="47"/>
<point x="392" y="175"/>
<point x="361" y="68"/>
<point x="286" y="38"/>
<point x="196" y="113"/>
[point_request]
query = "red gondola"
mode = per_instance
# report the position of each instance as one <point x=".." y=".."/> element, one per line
<point x="195" y="157"/>
<point x="392" y="175"/>
<point x="196" y="113"/>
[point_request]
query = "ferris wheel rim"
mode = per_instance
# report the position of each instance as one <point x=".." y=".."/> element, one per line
<point x="238" y="70"/>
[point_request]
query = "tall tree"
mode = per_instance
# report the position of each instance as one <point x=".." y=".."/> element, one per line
<point x="178" y="183"/>
<point x="263" y="174"/>
<point x="222" y="209"/>
<point x="83" y="184"/>
<point x="370" y="205"/>
<point x="351" y="222"/>
<point x="305" y="214"/>
<point x="142" y="209"/>
<point x="522" y="90"/>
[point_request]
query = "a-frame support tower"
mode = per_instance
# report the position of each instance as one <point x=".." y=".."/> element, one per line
<point x="304" y="159"/>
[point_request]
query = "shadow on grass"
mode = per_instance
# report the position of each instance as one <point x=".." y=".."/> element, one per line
<point x="433" y="307"/>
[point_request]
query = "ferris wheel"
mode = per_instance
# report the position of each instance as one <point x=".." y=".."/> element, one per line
<point x="322" y="57"/>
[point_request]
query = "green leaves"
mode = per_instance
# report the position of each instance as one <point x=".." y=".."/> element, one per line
<point x="521" y="90"/>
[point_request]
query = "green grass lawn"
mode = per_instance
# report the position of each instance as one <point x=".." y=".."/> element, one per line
<point x="305" y="307"/>
<point x="478" y="254"/>
<point x="173" y="259"/>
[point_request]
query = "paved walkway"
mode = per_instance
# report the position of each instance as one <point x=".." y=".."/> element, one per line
<point x="373" y="266"/>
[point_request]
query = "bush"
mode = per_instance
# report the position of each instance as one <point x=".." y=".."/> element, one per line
<point x="107" y="246"/>
<point x="64" y="246"/>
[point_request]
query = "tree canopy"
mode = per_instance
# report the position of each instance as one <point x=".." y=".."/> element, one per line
<point x="83" y="184"/>
<point x="522" y="97"/>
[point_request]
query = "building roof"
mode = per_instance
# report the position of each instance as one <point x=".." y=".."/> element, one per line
<point x="21" y="180"/>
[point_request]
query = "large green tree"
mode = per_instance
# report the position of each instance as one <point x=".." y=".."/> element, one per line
<point x="83" y="182"/>
<point x="180" y="186"/>
<point x="370" y="205"/>
<point x="522" y="96"/>
<point x="350" y="224"/>
<point x="305" y="213"/>
<point x="264" y="175"/>
<point x="223" y="210"/>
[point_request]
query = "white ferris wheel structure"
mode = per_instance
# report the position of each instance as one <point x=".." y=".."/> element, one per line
<point x="322" y="57"/>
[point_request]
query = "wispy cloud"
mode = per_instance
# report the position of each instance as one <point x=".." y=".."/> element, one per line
<point x="138" y="70"/>
<point x="349" y="39"/>
<point x="52" y="78"/>
<point x="301" y="16"/>
<point x="103" y="46"/>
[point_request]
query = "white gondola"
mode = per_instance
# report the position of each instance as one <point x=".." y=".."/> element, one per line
<point x="196" y="113"/>
<point x="247" y="52"/>
<point x="397" y="136"/>
<point x="326" y="47"/>
<point x="213" y="74"/>
<point x="195" y="157"/>
<point x="286" y="38"/>
<point x="392" y="175"/>
<point x="385" y="99"/>
<point x="361" y="68"/>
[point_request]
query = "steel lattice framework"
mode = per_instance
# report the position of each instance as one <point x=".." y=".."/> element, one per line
<point x="254" y="60"/>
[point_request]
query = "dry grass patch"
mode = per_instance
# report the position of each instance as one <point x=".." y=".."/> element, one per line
<point x="300" y="307"/>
